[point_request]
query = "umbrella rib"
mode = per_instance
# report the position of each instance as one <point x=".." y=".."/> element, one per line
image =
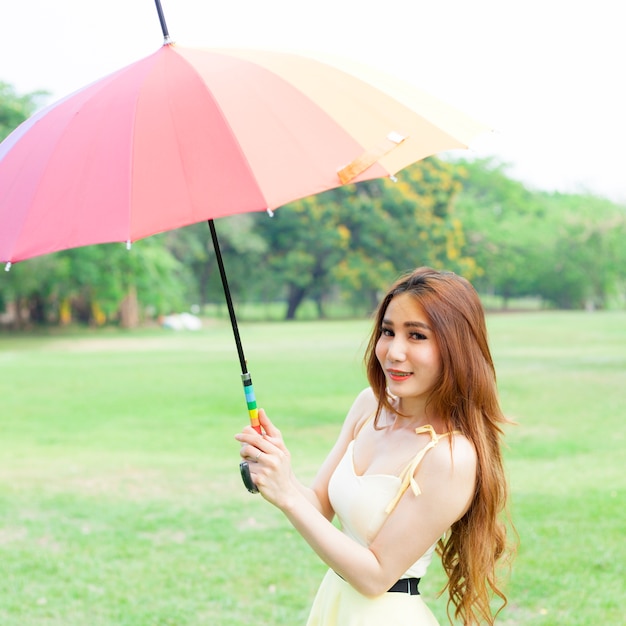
<point x="368" y="158"/>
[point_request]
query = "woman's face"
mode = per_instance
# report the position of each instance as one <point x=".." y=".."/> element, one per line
<point x="407" y="350"/>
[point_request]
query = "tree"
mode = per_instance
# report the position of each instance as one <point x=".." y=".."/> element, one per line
<point x="305" y="241"/>
<point x="568" y="249"/>
<point x="422" y="206"/>
<point x="359" y="237"/>
<point x="15" y="108"/>
<point x="586" y="264"/>
<point x="366" y="269"/>
<point x="93" y="284"/>
<point x="397" y="226"/>
<point x="506" y="226"/>
<point x="241" y="245"/>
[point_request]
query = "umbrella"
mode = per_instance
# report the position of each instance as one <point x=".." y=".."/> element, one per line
<point x="188" y="135"/>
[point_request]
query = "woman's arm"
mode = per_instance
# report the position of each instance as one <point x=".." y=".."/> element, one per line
<point x="446" y="479"/>
<point x="317" y="493"/>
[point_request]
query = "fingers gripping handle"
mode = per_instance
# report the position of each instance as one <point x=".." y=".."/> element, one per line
<point x="253" y="412"/>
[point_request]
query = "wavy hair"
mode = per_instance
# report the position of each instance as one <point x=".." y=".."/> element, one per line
<point x="465" y="397"/>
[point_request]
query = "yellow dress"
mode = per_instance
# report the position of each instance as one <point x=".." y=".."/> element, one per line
<point x="362" y="503"/>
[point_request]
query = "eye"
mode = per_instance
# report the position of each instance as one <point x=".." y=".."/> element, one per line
<point x="418" y="336"/>
<point x="386" y="332"/>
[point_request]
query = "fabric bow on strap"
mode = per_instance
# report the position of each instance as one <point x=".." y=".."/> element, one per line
<point x="407" y="476"/>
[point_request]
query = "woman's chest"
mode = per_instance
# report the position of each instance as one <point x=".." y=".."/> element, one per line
<point x="384" y="453"/>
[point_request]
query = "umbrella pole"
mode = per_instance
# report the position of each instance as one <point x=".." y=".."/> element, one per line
<point x="166" y="34"/>
<point x="245" y="375"/>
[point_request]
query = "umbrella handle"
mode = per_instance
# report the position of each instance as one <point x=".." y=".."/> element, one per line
<point x="244" y="468"/>
<point x="253" y="411"/>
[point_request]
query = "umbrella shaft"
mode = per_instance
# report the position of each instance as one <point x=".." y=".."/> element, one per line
<point x="245" y="375"/>
<point x="229" y="301"/>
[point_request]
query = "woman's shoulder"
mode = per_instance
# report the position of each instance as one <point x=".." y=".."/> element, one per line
<point x="363" y="408"/>
<point x="366" y="398"/>
<point x="456" y="452"/>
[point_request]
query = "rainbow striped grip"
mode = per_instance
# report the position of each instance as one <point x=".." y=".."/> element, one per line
<point x="253" y="411"/>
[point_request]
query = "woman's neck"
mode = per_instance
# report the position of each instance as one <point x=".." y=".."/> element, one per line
<point x="410" y="414"/>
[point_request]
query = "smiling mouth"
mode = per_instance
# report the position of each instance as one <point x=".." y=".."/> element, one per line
<point x="398" y="375"/>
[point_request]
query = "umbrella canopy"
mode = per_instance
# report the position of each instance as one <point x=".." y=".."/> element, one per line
<point x="186" y="135"/>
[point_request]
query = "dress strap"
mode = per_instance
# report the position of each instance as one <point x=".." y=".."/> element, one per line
<point x="407" y="477"/>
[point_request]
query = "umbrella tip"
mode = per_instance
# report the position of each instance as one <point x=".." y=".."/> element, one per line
<point x="7" y="267"/>
<point x="128" y="244"/>
<point x="270" y="212"/>
<point x="166" y="35"/>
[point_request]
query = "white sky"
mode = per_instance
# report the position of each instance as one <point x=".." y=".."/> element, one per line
<point x="547" y="75"/>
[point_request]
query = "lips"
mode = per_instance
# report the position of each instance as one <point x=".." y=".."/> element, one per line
<point x="398" y="375"/>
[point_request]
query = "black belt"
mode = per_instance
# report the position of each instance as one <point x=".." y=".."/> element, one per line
<point x="406" y="585"/>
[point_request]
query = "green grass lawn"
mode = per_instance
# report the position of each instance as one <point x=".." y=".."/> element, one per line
<point x="121" y="502"/>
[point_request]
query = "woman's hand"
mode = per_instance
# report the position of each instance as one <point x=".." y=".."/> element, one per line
<point x="269" y="462"/>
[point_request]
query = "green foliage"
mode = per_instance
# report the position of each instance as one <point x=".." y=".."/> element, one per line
<point x="501" y="218"/>
<point x="241" y="246"/>
<point x="426" y="230"/>
<point x="305" y="242"/>
<point x="568" y="249"/>
<point x="14" y="108"/>
<point x="97" y="278"/>
<point x="586" y="264"/>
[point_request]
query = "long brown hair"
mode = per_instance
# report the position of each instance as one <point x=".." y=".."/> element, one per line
<point x="465" y="398"/>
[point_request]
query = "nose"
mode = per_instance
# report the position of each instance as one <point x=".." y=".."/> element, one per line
<point x="396" y="351"/>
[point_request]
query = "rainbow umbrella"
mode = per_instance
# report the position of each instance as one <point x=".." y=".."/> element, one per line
<point x="188" y="135"/>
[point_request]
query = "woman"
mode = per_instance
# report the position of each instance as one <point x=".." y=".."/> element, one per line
<point x="416" y="465"/>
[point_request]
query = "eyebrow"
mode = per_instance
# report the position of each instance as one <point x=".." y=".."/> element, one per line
<point x="388" y="322"/>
